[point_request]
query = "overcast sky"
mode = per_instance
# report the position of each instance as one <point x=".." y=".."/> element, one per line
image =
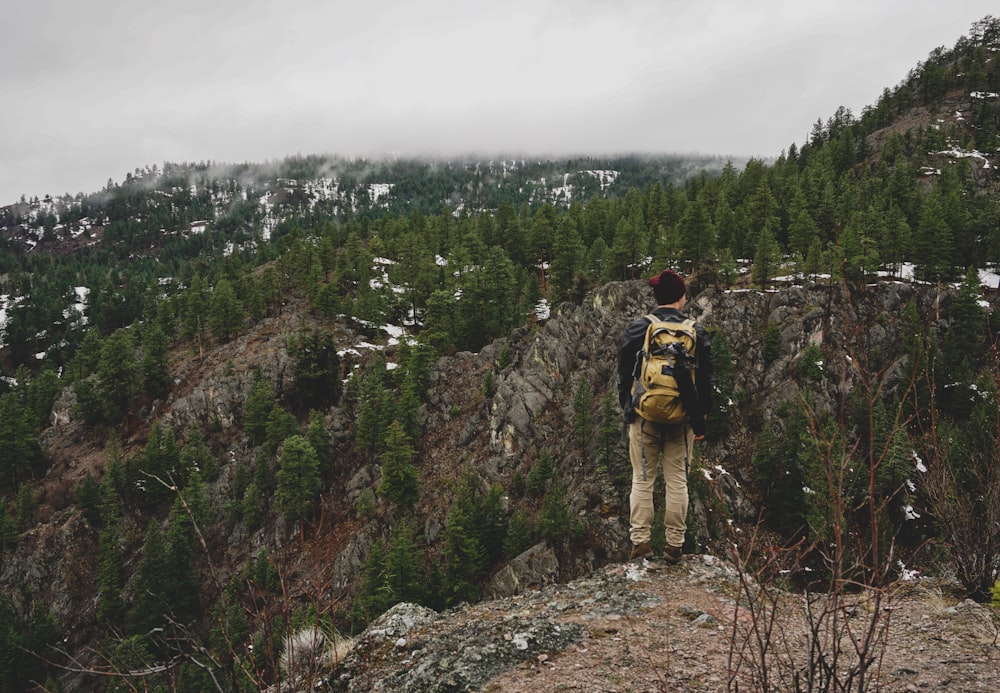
<point x="92" y="90"/>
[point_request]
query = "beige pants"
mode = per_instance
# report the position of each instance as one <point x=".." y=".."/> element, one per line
<point x="651" y="446"/>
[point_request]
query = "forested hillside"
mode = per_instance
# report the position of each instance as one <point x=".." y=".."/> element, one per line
<point x="239" y="400"/>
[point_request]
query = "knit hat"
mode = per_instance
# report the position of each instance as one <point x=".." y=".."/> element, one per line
<point x="668" y="287"/>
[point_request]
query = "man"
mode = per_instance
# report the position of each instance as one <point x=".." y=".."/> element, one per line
<point x="668" y="445"/>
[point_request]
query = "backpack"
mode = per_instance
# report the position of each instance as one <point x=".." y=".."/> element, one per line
<point x="667" y="351"/>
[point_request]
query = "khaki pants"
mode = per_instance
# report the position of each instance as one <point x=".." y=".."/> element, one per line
<point x="651" y="446"/>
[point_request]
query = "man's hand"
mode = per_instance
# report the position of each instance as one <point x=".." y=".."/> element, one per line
<point x="697" y="437"/>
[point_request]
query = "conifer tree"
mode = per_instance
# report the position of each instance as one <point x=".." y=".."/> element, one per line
<point x="802" y="229"/>
<point x="180" y="583"/>
<point x="257" y="410"/>
<point x="196" y="310"/>
<point x="319" y="438"/>
<point x="149" y="607"/>
<point x="116" y="373"/>
<point x="400" y="482"/>
<point x="226" y="313"/>
<point x="932" y="243"/>
<point x="609" y="435"/>
<point x="155" y="367"/>
<point x="583" y="423"/>
<point x="541" y="472"/>
<point x="316" y="368"/>
<point x="375" y="595"/>
<point x="554" y="518"/>
<point x="697" y="234"/>
<point x="19" y="447"/>
<point x="519" y="533"/>
<point x="767" y="258"/>
<point x="375" y="410"/>
<point x="298" y="477"/>
<point x="404" y="573"/>
<point x="160" y="466"/>
<point x="567" y="257"/>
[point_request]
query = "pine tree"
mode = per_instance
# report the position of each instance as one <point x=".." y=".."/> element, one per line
<point x="319" y="438"/>
<point x="316" y="368"/>
<point x="932" y="244"/>
<point x="154" y="367"/>
<point x="226" y="313"/>
<point x="116" y="373"/>
<point x="400" y="482"/>
<point x="698" y="234"/>
<point x="567" y="258"/>
<point x="375" y="595"/>
<point x="180" y="583"/>
<point x="609" y="435"/>
<point x="196" y="310"/>
<point x="540" y="474"/>
<point x="149" y="606"/>
<point x="802" y="229"/>
<point x="519" y="533"/>
<point x="257" y="410"/>
<point x="298" y="477"/>
<point x="554" y="518"/>
<point x="583" y="423"/>
<point x="767" y="259"/>
<point x="403" y="567"/>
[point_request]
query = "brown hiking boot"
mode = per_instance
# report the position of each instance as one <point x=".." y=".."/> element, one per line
<point x="642" y="550"/>
<point x="672" y="554"/>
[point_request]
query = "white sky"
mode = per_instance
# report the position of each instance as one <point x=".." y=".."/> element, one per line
<point x="92" y="90"/>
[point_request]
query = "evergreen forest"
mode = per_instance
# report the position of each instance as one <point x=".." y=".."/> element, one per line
<point x="101" y="292"/>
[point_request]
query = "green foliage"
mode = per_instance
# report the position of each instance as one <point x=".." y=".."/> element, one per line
<point x="19" y="448"/>
<point x="196" y="456"/>
<point x="366" y="504"/>
<point x="87" y="495"/>
<point x="26" y="505"/>
<point x="257" y="410"/>
<point x="226" y="313"/>
<point x="159" y="468"/>
<point x="316" y="368"/>
<point x="319" y="438"/>
<point x="717" y="420"/>
<point x="612" y="459"/>
<point x="541" y="472"/>
<point x="474" y="538"/>
<point x="810" y="365"/>
<point x="375" y="410"/>
<point x="20" y="636"/>
<point x="374" y="596"/>
<point x="772" y="343"/>
<point x="400" y="480"/>
<point x="785" y="460"/>
<point x="554" y="519"/>
<point x="583" y="423"/>
<point x="116" y="372"/>
<point x="298" y="477"/>
<point x="519" y="534"/>
<point x="8" y="529"/>
<point x="403" y="567"/>
<point x="281" y="424"/>
<point x="154" y="368"/>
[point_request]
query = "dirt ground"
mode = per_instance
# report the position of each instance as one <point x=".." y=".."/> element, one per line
<point x="681" y="641"/>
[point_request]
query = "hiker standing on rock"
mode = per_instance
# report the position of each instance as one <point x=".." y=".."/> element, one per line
<point x="664" y="389"/>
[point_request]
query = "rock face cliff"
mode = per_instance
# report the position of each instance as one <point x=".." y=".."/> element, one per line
<point x="498" y="434"/>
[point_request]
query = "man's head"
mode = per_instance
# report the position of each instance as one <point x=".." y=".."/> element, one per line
<point x="668" y="287"/>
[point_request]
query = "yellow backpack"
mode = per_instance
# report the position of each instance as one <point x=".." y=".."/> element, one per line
<point x="669" y="347"/>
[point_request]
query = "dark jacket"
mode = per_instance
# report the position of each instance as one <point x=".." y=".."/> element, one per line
<point x="631" y="344"/>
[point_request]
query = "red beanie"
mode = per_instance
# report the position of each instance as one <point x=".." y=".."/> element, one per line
<point x="668" y="287"/>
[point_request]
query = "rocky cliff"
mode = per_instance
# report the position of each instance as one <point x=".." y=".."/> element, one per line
<point x="498" y="434"/>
